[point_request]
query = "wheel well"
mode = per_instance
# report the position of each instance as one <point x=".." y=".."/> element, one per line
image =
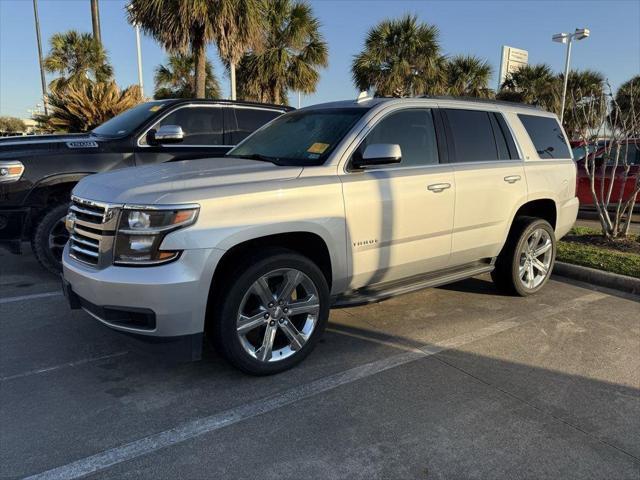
<point x="43" y="198"/>
<point x="308" y="244"/>
<point x="544" y="208"/>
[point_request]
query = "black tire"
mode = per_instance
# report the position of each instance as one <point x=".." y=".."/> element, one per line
<point x="222" y="326"/>
<point x="50" y="258"/>
<point x="506" y="273"/>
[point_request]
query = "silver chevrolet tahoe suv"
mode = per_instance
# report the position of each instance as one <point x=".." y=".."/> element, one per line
<point x="337" y="204"/>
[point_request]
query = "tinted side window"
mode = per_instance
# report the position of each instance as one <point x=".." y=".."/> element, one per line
<point x="201" y="125"/>
<point x="244" y="121"/>
<point x="472" y="135"/>
<point x="413" y="130"/>
<point x="546" y="135"/>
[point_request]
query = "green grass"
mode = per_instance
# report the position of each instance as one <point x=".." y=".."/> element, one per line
<point x="596" y="256"/>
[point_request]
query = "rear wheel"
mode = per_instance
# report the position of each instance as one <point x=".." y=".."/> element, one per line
<point x="272" y="315"/>
<point x="526" y="261"/>
<point x="49" y="238"/>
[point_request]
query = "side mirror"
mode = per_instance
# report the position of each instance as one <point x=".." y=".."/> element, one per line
<point x="166" y="134"/>
<point x="379" y="154"/>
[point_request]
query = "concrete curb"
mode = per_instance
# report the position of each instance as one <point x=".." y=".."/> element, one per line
<point x="598" y="277"/>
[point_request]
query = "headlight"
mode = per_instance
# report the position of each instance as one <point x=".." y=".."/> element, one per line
<point x="141" y="231"/>
<point x="11" y="171"/>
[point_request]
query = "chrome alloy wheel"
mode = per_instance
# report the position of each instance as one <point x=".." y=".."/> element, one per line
<point x="58" y="237"/>
<point x="536" y="255"/>
<point x="277" y="315"/>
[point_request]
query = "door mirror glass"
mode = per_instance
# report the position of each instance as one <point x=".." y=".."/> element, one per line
<point x="166" y="134"/>
<point x="379" y="154"/>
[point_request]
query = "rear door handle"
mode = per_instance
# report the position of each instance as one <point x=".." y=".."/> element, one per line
<point x="438" y="187"/>
<point x="512" y="178"/>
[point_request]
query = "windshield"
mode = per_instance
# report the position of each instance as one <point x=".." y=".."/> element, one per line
<point x="301" y="138"/>
<point x="129" y="120"/>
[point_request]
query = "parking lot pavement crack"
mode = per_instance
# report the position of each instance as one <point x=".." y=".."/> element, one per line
<point x="536" y="408"/>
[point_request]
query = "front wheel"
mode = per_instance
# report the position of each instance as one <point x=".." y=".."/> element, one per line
<point x="49" y="238"/>
<point x="526" y="261"/>
<point x="272" y="314"/>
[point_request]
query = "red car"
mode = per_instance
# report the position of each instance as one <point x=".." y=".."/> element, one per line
<point x="633" y="158"/>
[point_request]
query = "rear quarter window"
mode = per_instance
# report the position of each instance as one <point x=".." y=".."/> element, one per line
<point x="547" y="136"/>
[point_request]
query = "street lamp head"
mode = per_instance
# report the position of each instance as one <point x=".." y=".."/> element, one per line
<point x="561" y="37"/>
<point x="581" y="33"/>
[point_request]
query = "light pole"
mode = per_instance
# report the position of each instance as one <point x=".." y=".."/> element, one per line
<point x="42" y="80"/>
<point x="136" y="25"/>
<point x="568" y="38"/>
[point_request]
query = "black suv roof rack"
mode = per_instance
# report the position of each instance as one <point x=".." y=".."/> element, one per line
<point x="230" y="102"/>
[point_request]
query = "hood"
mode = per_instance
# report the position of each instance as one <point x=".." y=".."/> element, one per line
<point x="179" y="182"/>
<point x="26" y="145"/>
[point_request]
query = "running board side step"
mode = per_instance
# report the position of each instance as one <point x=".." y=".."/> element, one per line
<point x="383" y="291"/>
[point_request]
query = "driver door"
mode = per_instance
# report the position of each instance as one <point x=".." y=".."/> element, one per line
<point x="399" y="217"/>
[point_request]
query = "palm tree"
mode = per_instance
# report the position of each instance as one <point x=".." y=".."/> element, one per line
<point x="180" y="26"/>
<point x="401" y="57"/>
<point x="76" y="57"/>
<point x="176" y="79"/>
<point x="83" y="106"/>
<point x="292" y="50"/>
<point x="534" y="85"/>
<point x="627" y="101"/>
<point x="468" y="76"/>
<point x="238" y="28"/>
<point x="583" y="88"/>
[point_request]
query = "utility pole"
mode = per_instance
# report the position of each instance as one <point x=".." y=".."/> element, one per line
<point x="42" y="79"/>
<point x="95" y="21"/>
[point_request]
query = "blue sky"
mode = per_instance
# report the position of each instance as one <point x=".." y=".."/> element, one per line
<point x="470" y="27"/>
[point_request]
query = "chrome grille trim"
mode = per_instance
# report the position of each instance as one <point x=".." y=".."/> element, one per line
<point x="94" y="228"/>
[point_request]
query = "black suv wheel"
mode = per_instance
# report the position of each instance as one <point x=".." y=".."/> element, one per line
<point x="49" y="238"/>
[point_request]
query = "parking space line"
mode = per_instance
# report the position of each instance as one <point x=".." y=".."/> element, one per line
<point x="29" y="297"/>
<point x="181" y="433"/>
<point x="63" y="365"/>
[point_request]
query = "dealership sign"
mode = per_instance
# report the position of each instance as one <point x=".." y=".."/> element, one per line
<point x="511" y="61"/>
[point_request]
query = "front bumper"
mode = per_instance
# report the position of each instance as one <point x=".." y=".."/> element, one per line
<point x="13" y="227"/>
<point x="160" y="301"/>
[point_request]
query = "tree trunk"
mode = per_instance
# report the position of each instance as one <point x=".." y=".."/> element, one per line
<point x="200" y="51"/>
<point x="232" y="74"/>
<point x="95" y="21"/>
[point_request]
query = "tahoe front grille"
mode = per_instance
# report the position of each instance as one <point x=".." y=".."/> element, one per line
<point x="93" y="227"/>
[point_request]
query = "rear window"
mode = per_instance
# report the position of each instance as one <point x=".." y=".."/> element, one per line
<point x="546" y="135"/>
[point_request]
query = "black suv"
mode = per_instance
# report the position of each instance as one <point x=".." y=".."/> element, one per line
<point x="38" y="173"/>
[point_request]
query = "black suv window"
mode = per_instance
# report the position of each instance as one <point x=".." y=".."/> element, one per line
<point x="241" y="122"/>
<point x="413" y="130"/>
<point x="546" y="135"/>
<point x="472" y="135"/>
<point x="201" y="125"/>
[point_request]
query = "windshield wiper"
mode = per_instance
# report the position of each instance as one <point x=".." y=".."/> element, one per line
<point x="258" y="156"/>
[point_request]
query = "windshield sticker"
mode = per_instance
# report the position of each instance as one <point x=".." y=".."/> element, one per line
<point x="155" y="108"/>
<point x="318" y="148"/>
<point x="314" y="156"/>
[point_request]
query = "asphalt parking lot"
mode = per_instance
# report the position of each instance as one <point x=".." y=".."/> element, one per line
<point x="448" y="383"/>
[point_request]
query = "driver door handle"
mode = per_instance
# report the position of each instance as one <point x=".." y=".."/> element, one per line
<point x="438" y="187"/>
<point x="512" y="178"/>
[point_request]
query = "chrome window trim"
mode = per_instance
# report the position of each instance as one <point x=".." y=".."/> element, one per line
<point x="371" y="124"/>
<point x="193" y="105"/>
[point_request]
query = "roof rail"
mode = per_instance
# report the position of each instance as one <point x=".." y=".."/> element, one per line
<point x="481" y="100"/>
